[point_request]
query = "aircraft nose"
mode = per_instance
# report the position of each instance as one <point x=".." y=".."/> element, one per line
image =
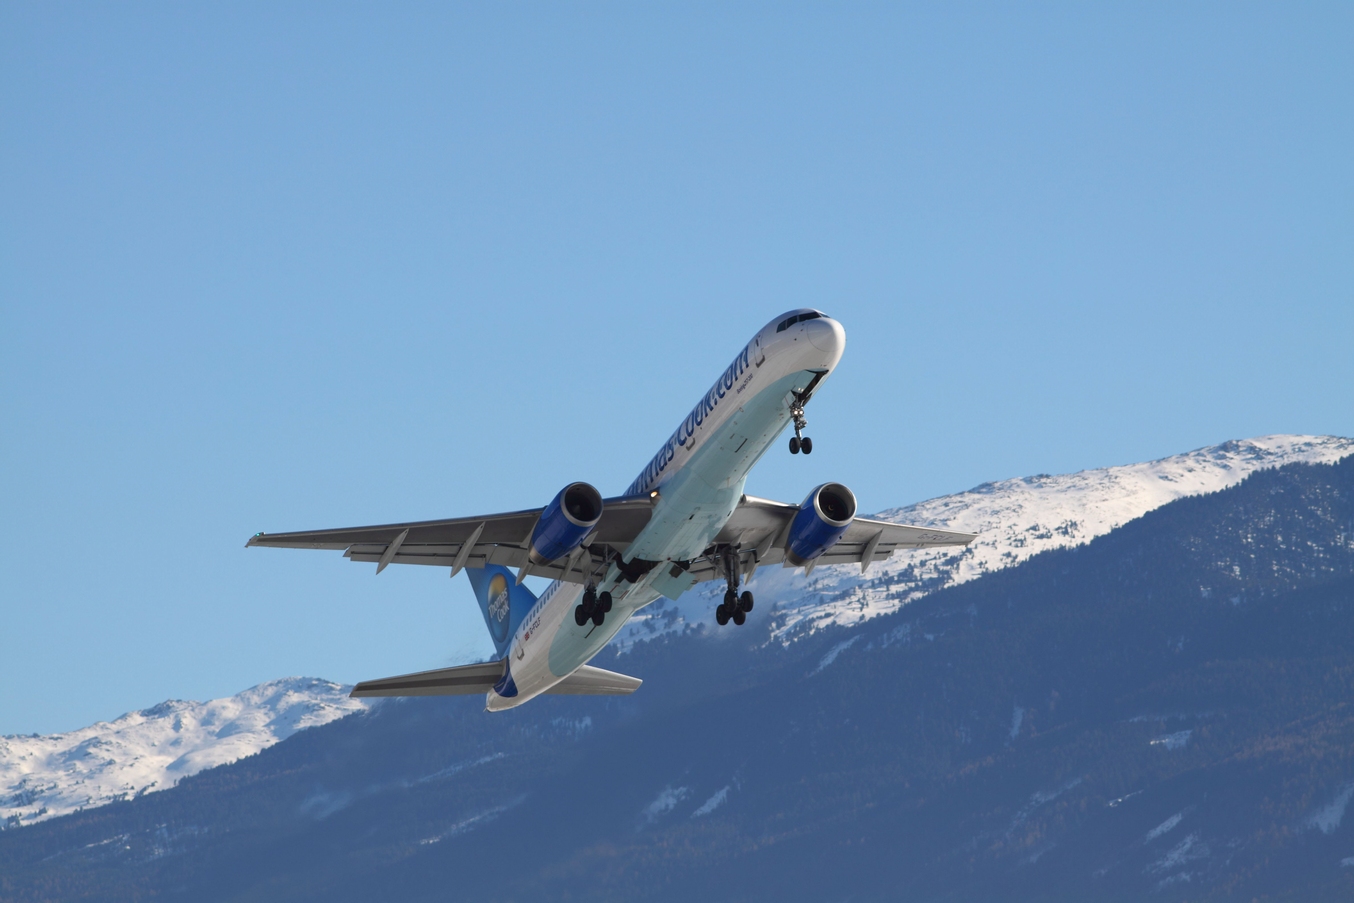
<point x="826" y="335"/>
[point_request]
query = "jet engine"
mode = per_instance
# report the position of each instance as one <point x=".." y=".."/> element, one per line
<point x="565" y="522"/>
<point x="822" y="519"/>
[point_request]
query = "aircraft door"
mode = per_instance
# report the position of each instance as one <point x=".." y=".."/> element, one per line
<point x="758" y="355"/>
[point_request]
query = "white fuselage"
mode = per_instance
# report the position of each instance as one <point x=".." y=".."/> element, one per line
<point x="698" y="476"/>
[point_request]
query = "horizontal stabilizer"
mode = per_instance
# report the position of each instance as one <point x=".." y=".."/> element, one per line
<point x="463" y="680"/>
<point x="590" y="681"/>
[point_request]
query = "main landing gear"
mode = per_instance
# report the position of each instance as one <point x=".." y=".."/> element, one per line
<point x="799" y="442"/>
<point x="734" y="607"/>
<point x="592" y="607"/>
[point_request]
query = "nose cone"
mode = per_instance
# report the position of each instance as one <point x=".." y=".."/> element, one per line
<point x="827" y="336"/>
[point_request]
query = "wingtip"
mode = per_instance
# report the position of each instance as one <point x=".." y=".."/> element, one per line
<point x="253" y="540"/>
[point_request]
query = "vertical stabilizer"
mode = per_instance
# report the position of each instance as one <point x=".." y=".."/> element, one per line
<point x="502" y="600"/>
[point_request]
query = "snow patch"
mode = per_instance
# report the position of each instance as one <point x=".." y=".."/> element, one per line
<point x="664" y="803"/>
<point x="1187" y="850"/>
<point x="1173" y="741"/>
<point x="1328" y="817"/>
<point x="716" y="800"/>
<point x="1039" y="798"/>
<point x="42" y="777"/>
<point x="469" y="824"/>
<point x="1017" y="718"/>
<point x="833" y="653"/>
<point x="1163" y="828"/>
<point x="458" y="768"/>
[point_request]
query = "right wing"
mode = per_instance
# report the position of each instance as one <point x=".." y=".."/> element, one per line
<point x="472" y="541"/>
<point x="463" y="680"/>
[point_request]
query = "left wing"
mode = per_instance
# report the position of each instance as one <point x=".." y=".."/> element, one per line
<point x="759" y="530"/>
<point x="590" y="681"/>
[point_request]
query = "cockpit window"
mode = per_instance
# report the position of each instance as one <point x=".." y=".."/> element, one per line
<point x="797" y="318"/>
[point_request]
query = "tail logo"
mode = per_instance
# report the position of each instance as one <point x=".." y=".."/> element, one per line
<point x="498" y="607"/>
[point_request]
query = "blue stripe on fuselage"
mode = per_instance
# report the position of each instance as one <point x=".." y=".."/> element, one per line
<point x="687" y="429"/>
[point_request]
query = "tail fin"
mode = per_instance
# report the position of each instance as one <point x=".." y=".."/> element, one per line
<point x="503" y="601"/>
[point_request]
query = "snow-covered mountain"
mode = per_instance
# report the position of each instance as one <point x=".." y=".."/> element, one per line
<point x="1015" y="519"/>
<point x="42" y="777"/>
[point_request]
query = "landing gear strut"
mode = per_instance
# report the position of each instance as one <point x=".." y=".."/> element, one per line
<point x="799" y="442"/>
<point x="593" y="607"/>
<point x="734" y="607"/>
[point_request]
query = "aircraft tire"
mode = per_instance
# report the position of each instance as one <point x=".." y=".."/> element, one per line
<point x="598" y="617"/>
<point x="739" y="618"/>
<point x="806" y="446"/>
<point x="580" y="616"/>
<point x="604" y="602"/>
<point x="721" y="615"/>
<point x="794" y="445"/>
<point x="745" y="601"/>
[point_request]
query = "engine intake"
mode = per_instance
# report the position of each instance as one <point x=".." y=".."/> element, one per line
<point x="824" y="516"/>
<point x="565" y="522"/>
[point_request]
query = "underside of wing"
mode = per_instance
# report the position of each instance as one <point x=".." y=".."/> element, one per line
<point x="463" y="680"/>
<point x="869" y="540"/>
<point x="502" y="539"/>
<point x="590" y="681"/>
<point x="759" y="530"/>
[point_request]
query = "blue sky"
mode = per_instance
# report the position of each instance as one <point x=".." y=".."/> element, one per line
<point x="269" y="267"/>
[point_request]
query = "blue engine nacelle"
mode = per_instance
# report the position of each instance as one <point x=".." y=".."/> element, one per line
<point x="822" y="519"/>
<point x="565" y="522"/>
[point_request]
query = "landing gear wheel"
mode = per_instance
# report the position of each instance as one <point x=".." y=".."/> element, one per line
<point x="721" y="615"/>
<point x="580" y="616"/>
<point x="794" y="445"/>
<point x="604" y="602"/>
<point x="806" y="445"/>
<point x="739" y="618"/>
<point x="598" y="616"/>
<point x="745" y="601"/>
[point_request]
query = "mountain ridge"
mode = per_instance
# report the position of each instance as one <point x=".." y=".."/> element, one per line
<point x="143" y="752"/>
<point x="1160" y="713"/>
<point x="47" y="776"/>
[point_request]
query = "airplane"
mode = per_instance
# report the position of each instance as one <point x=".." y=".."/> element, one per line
<point x="685" y="519"/>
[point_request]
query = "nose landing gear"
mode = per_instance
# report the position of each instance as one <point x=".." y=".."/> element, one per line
<point x="799" y="442"/>
<point x="593" y="607"/>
